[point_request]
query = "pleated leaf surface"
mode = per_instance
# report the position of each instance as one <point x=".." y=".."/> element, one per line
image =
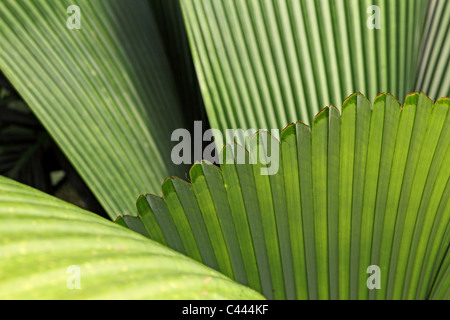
<point x="262" y="64"/>
<point x="46" y="244"/>
<point x="368" y="187"/>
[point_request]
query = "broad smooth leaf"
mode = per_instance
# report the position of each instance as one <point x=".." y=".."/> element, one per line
<point x="262" y="64"/>
<point x="105" y="92"/>
<point x="368" y="187"/>
<point x="46" y="243"/>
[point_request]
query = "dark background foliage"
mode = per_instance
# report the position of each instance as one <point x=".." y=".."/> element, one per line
<point x="29" y="155"/>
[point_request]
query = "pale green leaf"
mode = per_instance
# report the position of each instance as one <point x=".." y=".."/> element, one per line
<point x="43" y="240"/>
<point x="368" y="187"/>
<point x="262" y="64"/>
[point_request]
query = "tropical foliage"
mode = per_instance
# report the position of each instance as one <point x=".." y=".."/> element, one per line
<point x="369" y="187"/>
<point x="364" y="185"/>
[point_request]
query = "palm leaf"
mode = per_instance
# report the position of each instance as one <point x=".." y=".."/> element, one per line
<point x="171" y="27"/>
<point x="104" y="92"/>
<point x="432" y="74"/>
<point x="42" y="238"/>
<point x="368" y="187"/>
<point x="262" y="64"/>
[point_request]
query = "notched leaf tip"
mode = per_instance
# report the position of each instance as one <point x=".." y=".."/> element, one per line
<point x="324" y="113"/>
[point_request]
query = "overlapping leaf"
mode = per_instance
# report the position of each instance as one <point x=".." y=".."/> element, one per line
<point x="44" y="241"/>
<point x="368" y="187"/>
<point x="104" y="92"/>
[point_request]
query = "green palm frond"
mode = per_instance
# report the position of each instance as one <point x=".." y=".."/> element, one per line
<point x="105" y="92"/>
<point x="368" y="187"/>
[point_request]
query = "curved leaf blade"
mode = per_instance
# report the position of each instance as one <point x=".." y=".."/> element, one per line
<point x="42" y="237"/>
<point x="104" y="92"/>
<point x="262" y="64"/>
